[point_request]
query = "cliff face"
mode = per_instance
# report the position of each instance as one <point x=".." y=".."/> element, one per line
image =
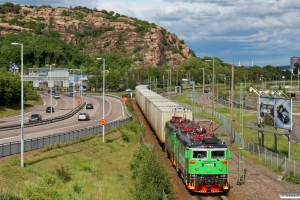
<point x="101" y="32"/>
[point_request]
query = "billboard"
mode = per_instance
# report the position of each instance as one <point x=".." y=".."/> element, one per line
<point x="275" y="112"/>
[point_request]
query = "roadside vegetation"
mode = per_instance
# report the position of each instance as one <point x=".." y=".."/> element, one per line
<point x="89" y="169"/>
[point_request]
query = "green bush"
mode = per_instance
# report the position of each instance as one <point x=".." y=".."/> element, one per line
<point x="77" y="188"/>
<point x="150" y="174"/>
<point x="63" y="174"/>
<point x="40" y="192"/>
<point x="291" y="177"/>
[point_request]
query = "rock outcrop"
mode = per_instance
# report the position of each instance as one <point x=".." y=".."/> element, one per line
<point x="102" y="32"/>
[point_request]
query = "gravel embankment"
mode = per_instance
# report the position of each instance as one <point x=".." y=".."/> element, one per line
<point x="261" y="183"/>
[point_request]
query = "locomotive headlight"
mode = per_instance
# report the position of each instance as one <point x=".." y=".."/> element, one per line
<point x="220" y="169"/>
<point x="196" y="168"/>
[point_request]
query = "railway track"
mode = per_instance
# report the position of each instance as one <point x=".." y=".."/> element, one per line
<point x="211" y="197"/>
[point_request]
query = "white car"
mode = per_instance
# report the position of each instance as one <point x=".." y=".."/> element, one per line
<point x="56" y="96"/>
<point x="83" y="117"/>
<point x="128" y="90"/>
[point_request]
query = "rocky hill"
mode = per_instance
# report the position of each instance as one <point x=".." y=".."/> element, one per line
<point x="96" y="32"/>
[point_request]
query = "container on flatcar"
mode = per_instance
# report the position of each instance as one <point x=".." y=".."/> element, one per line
<point x="164" y="114"/>
<point x="158" y="110"/>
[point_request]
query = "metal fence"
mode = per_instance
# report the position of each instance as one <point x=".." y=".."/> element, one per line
<point x="280" y="162"/>
<point x="40" y="142"/>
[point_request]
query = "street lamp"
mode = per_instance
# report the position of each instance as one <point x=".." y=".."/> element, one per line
<point x="228" y="88"/>
<point x="22" y="105"/>
<point x="245" y="75"/>
<point x="277" y="80"/>
<point x="232" y="98"/>
<point x="103" y="91"/>
<point x="50" y="72"/>
<point x="74" y="84"/>
<point x="203" y="83"/>
<point x="262" y="79"/>
<point x="213" y="91"/>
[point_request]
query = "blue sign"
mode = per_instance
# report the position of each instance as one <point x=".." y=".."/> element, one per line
<point x="80" y="88"/>
<point x="75" y="77"/>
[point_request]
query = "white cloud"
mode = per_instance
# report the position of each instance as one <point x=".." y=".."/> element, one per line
<point x="259" y="30"/>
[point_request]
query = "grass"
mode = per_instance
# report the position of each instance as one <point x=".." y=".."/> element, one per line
<point x="250" y="134"/>
<point x="84" y="169"/>
<point x="91" y="169"/>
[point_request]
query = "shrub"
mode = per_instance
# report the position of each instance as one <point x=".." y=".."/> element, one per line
<point x="291" y="177"/>
<point x="125" y="137"/>
<point x="63" y="174"/>
<point x="150" y="174"/>
<point x="40" y="191"/>
<point x="77" y="188"/>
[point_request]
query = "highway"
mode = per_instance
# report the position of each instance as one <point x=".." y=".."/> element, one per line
<point x="113" y="110"/>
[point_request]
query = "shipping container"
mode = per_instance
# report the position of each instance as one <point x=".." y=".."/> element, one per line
<point x="158" y="110"/>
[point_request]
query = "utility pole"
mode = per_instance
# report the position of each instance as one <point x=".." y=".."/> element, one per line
<point x="232" y="99"/>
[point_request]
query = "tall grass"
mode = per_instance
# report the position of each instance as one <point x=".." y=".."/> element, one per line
<point x="84" y="169"/>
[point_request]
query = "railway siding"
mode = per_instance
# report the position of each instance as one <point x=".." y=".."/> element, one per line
<point x="260" y="182"/>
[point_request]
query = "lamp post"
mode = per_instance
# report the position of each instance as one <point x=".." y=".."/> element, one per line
<point x="291" y="79"/>
<point x="50" y="72"/>
<point x="232" y="100"/>
<point x="213" y="91"/>
<point x="169" y="81"/>
<point x="262" y="79"/>
<point x="245" y="75"/>
<point x="74" y="84"/>
<point x="203" y="83"/>
<point x="103" y="91"/>
<point x="277" y="80"/>
<point x="22" y="105"/>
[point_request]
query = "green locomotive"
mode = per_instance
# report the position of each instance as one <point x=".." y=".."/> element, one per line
<point x="199" y="157"/>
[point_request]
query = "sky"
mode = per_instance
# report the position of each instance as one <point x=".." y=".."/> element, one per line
<point x="246" y="32"/>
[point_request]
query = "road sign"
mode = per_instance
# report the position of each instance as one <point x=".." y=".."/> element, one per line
<point x="102" y="121"/>
<point x="80" y="88"/>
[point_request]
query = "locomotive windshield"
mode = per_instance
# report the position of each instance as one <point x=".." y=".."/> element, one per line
<point x="200" y="154"/>
<point x="219" y="154"/>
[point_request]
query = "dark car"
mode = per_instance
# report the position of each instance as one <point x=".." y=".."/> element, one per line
<point x="119" y="90"/>
<point x="89" y="106"/>
<point x="48" y="109"/>
<point x="205" y="91"/>
<point x="83" y="117"/>
<point x="35" y="118"/>
<point x="283" y="114"/>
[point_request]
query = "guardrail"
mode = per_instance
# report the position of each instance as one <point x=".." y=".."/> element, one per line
<point x="11" y="148"/>
<point x="46" y="121"/>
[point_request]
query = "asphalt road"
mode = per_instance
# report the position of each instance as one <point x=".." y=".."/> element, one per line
<point x="113" y="110"/>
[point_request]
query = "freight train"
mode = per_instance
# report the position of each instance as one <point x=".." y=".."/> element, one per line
<point x="198" y="156"/>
